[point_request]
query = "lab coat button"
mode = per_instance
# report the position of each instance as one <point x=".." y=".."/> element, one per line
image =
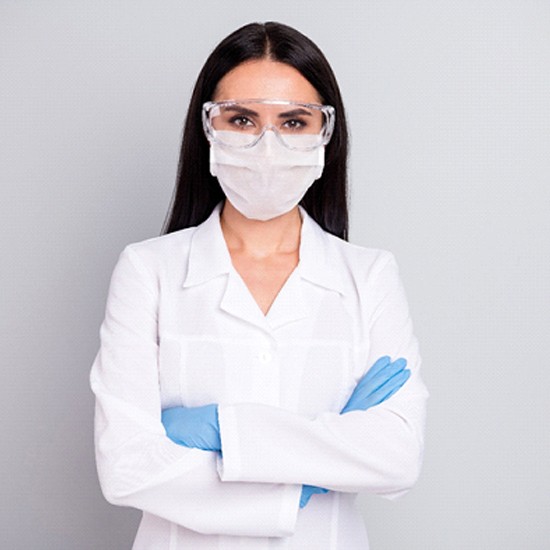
<point x="265" y="357"/>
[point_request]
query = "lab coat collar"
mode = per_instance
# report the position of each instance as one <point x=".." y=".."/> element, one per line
<point x="315" y="247"/>
<point x="208" y="254"/>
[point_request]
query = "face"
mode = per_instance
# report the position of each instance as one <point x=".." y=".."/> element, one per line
<point x="273" y="179"/>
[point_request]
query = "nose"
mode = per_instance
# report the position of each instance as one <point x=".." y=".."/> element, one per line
<point x="270" y="128"/>
<point x="271" y="141"/>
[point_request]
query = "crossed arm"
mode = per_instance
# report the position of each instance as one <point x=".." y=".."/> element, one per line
<point x="198" y="427"/>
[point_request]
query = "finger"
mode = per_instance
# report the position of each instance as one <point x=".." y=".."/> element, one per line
<point x="387" y="374"/>
<point x="379" y="374"/>
<point x="401" y="362"/>
<point x="390" y="387"/>
<point x="378" y="365"/>
<point x="379" y="395"/>
<point x="305" y="496"/>
<point x="369" y="384"/>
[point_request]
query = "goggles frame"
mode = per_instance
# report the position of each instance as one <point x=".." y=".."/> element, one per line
<point x="327" y="110"/>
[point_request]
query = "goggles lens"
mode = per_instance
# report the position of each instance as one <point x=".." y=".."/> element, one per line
<point x="241" y="124"/>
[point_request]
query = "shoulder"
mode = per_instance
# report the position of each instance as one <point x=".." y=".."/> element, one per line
<point x="359" y="261"/>
<point x="370" y="275"/>
<point x="159" y="254"/>
<point x="164" y="245"/>
<point x="362" y="255"/>
<point x="347" y="267"/>
<point x="173" y="249"/>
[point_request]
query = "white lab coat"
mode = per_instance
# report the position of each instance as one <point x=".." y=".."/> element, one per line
<point x="181" y="328"/>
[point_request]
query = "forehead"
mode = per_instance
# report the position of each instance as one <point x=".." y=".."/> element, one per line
<point x="266" y="79"/>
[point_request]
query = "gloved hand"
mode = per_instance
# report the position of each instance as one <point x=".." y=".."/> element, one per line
<point x="195" y="427"/>
<point x="308" y="491"/>
<point x="380" y="382"/>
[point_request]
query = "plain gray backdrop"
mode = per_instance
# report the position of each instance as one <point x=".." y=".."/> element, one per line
<point x="448" y="104"/>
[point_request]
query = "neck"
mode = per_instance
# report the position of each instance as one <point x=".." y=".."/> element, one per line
<point x="261" y="239"/>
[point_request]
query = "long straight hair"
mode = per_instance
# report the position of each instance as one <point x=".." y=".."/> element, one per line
<point x="197" y="192"/>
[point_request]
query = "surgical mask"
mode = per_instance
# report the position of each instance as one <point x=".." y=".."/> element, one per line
<point x="268" y="179"/>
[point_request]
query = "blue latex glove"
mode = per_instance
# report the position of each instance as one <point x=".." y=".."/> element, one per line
<point x="308" y="491"/>
<point x="195" y="427"/>
<point x="380" y="382"/>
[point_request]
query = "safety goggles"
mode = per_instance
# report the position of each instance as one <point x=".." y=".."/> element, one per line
<point x="242" y="123"/>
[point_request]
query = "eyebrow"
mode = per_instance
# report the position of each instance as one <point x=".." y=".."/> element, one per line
<point x="294" y="112"/>
<point x="249" y="112"/>
<point x="240" y="110"/>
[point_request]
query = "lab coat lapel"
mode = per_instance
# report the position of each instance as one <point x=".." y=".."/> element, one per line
<point x="239" y="302"/>
<point x="289" y="305"/>
<point x="292" y="303"/>
<point x="317" y="264"/>
<point x="209" y="258"/>
<point x="208" y="255"/>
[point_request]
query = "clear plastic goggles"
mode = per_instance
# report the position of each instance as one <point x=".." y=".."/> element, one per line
<point x="242" y="123"/>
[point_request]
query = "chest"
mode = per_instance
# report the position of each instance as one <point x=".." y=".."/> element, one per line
<point x="215" y="346"/>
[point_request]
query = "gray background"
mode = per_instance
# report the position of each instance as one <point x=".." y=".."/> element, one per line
<point x="448" y="104"/>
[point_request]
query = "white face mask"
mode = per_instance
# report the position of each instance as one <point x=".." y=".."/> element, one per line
<point x="268" y="179"/>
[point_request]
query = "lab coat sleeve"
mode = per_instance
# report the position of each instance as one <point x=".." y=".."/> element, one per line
<point x="378" y="450"/>
<point x="138" y="465"/>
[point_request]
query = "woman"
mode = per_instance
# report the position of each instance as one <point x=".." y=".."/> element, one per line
<point x="251" y="376"/>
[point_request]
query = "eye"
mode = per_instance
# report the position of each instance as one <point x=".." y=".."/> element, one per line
<point x="241" y="121"/>
<point x="294" y="124"/>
